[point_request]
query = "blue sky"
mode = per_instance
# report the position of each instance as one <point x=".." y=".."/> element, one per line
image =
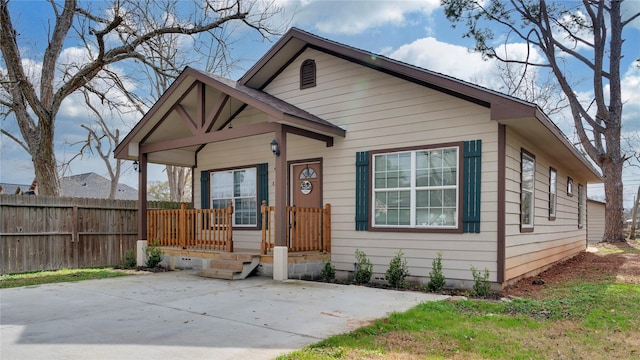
<point x="415" y="32"/>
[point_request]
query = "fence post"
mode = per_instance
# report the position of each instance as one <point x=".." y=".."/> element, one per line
<point x="182" y="225"/>
<point x="327" y="228"/>
<point x="229" y="227"/>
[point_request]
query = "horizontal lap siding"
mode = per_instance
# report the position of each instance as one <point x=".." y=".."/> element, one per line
<point x="595" y="221"/>
<point x="551" y="240"/>
<point x="379" y="111"/>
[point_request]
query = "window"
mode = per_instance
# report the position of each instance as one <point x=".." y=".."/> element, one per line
<point x="553" y="199"/>
<point x="580" y="205"/>
<point x="528" y="164"/>
<point x="240" y="187"/>
<point x="308" y="74"/>
<point x="416" y="188"/>
<point x="569" y="186"/>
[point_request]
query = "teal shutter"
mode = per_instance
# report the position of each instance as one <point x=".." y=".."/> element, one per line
<point x="362" y="191"/>
<point x="204" y="190"/>
<point x="471" y="186"/>
<point x="263" y="189"/>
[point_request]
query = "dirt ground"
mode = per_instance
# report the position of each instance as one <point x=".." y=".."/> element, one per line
<point x="601" y="261"/>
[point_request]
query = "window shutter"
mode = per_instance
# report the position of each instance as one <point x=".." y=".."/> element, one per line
<point x="204" y="190"/>
<point x="263" y="189"/>
<point x="362" y="191"/>
<point x="471" y="186"/>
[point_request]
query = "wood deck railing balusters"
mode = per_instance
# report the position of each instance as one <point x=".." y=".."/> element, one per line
<point x="204" y="229"/>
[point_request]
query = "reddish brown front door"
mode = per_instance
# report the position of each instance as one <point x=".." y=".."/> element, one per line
<point x="306" y="201"/>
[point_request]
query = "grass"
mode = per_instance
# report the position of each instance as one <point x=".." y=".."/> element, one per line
<point x="575" y="320"/>
<point x="65" y="275"/>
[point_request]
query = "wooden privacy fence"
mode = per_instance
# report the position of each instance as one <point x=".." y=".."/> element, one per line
<point x="309" y="229"/>
<point x="196" y="229"/>
<point x="51" y="233"/>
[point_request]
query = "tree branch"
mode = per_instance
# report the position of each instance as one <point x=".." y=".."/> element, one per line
<point x="14" y="138"/>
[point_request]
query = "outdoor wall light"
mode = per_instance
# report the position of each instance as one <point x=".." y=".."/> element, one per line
<point x="274" y="148"/>
<point x="136" y="166"/>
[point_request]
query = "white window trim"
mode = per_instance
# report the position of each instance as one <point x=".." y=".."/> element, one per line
<point x="532" y="191"/>
<point x="233" y="198"/>
<point x="413" y="188"/>
<point x="553" y="189"/>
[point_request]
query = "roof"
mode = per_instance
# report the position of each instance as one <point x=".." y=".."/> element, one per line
<point x="92" y="185"/>
<point x="522" y="116"/>
<point x="225" y="98"/>
<point x="178" y="102"/>
<point x="7" y="188"/>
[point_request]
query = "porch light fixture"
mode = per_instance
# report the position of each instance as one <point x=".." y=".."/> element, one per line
<point x="274" y="148"/>
<point x="136" y="166"/>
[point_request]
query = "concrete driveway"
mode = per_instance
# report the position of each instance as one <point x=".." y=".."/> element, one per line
<point x="178" y="315"/>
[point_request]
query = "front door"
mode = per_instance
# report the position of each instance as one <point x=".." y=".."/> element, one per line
<point x="306" y="202"/>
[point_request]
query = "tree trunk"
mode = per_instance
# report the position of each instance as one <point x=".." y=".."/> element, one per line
<point x="614" y="208"/>
<point x="634" y="216"/>
<point x="43" y="157"/>
<point x="177" y="177"/>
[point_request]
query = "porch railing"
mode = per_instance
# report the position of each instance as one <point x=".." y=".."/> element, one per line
<point x="196" y="229"/>
<point x="309" y="229"/>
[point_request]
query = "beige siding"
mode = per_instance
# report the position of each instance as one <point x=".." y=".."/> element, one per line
<point x="551" y="240"/>
<point x="595" y="221"/>
<point x="382" y="112"/>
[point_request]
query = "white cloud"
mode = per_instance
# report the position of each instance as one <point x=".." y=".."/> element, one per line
<point x="354" y="17"/>
<point x="448" y="59"/>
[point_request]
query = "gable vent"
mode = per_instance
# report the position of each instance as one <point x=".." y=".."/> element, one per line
<point x="308" y="74"/>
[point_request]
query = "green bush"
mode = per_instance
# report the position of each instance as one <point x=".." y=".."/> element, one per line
<point x="436" y="277"/>
<point x="364" y="268"/>
<point x="153" y="254"/>
<point x="130" y="260"/>
<point x="481" y="286"/>
<point x="328" y="271"/>
<point x="398" y="271"/>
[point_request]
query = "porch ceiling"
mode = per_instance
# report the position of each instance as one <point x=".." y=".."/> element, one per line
<point x="196" y="110"/>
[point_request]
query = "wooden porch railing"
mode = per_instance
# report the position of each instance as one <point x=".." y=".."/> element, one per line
<point x="197" y="229"/>
<point x="309" y="229"/>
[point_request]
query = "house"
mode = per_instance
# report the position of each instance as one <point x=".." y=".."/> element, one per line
<point x="92" y="185"/>
<point x="595" y="221"/>
<point x="321" y="149"/>
<point x="19" y="189"/>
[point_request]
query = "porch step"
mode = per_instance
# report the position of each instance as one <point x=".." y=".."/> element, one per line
<point x="231" y="266"/>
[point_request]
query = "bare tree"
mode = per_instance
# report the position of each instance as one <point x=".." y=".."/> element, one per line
<point x="525" y="83"/>
<point x="122" y="31"/>
<point x="587" y="33"/>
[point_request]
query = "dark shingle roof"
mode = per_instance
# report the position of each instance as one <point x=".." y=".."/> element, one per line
<point x="92" y="185"/>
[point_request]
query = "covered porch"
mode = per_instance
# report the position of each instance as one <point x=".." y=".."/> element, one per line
<point x="190" y="126"/>
<point x="211" y="230"/>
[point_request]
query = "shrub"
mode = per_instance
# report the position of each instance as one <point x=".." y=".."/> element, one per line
<point x="328" y="271"/>
<point x="436" y="277"/>
<point x="153" y="254"/>
<point x="364" y="268"/>
<point x="481" y="286"/>
<point x="130" y="260"/>
<point x="398" y="271"/>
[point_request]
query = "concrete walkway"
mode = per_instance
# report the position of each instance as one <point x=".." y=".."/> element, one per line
<point x="178" y="315"/>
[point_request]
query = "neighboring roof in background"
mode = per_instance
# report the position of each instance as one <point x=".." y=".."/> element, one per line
<point x="92" y="185"/>
<point x="12" y="189"/>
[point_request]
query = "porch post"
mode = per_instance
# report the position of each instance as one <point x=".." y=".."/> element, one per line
<point x="142" y="209"/>
<point x="280" y="258"/>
